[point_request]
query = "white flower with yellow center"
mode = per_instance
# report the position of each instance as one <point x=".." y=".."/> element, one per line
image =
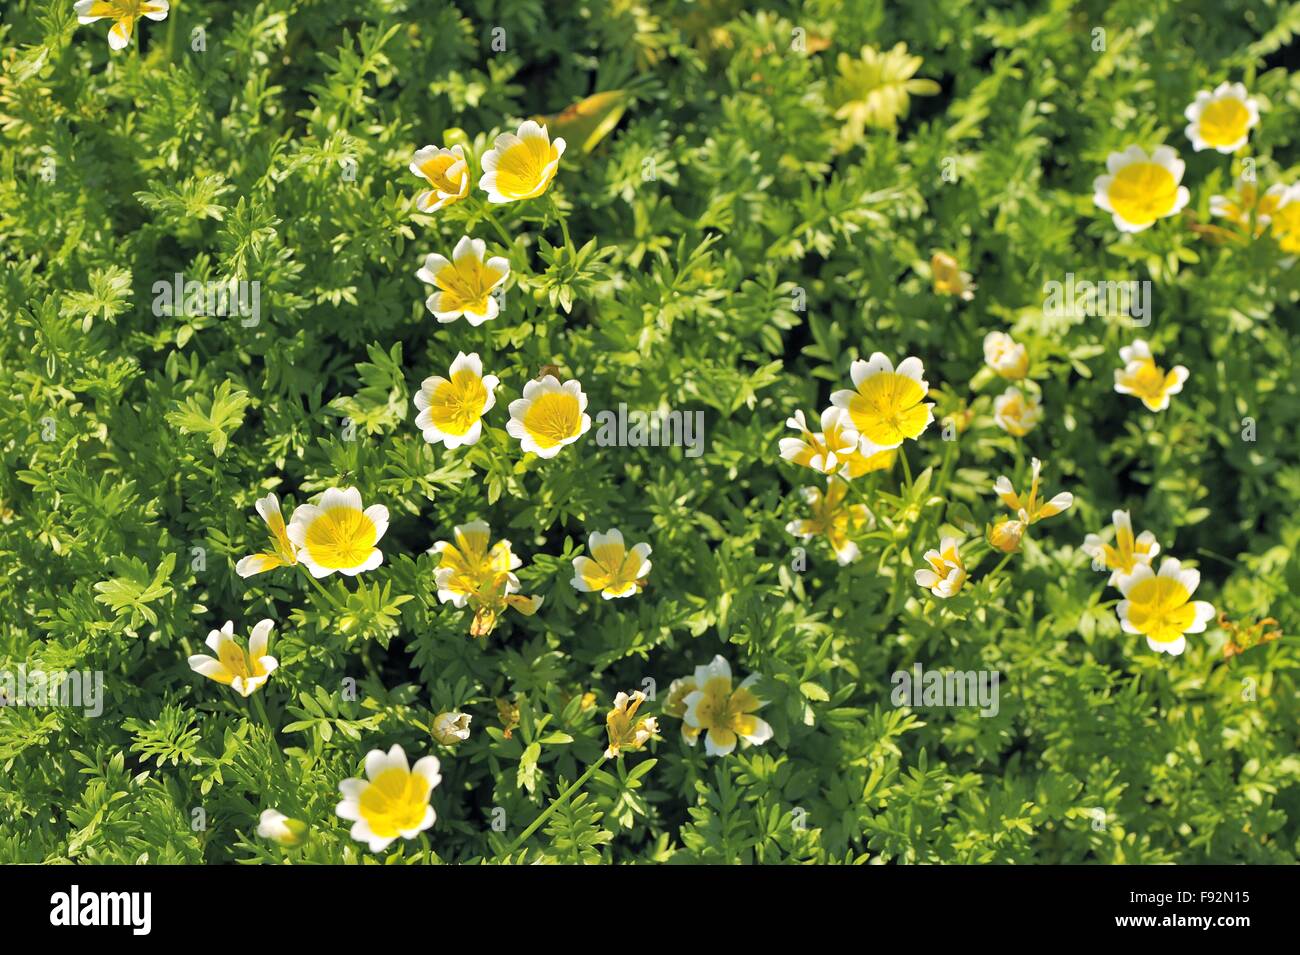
<point x="241" y="670"/>
<point x="446" y="172"/>
<point x="612" y="570"/>
<point x="123" y="13"/>
<point x="1126" y="553"/>
<point x="723" y="714"/>
<point x="833" y="518"/>
<point x="278" y="827"/>
<point x="1009" y="359"/>
<point x="1221" y="120"/>
<point x="452" y="409"/>
<point x="947" y="571"/>
<point x="949" y="279"/>
<point x="885" y="407"/>
<point x="473" y="571"/>
<point x="549" y="416"/>
<point x="1245" y="201"/>
<point x="1017" y="413"/>
<point x="1139" y="189"/>
<point x="1160" y="606"/>
<point x="824" y="451"/>
<point x="1286" y="222"/>
<point x="282" y="552"/>
<point x="1029" y="508"/>
<point x="1142" y="378"/>
<point x="626" y="731"/>
<point x="393" y="799"/>
<point x="337" y="534"/>
<point x="521" y="165"/>
<point x="465" y="284"/>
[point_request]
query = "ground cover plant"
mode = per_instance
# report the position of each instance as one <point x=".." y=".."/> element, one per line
<point x="639" y="431"/>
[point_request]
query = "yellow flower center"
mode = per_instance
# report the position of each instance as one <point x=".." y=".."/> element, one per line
<point x="1223" y="122"/>
<point x="612" y="567"/>
<point x="887" y="408"/>
<point x="342" y="537"/>
<point x="395" y="800"/>
<point x="553" y="417"/>
<point x="1159" y="609"/>
<point x="520" y="168"/>
<point x="458" y="403"/>
<point x="1148" y="382"/>
<point x="1142" y="192"/>
<point x="468" y="283"/>
<point x="234" y="659"/>
<point x="435" y="170"/>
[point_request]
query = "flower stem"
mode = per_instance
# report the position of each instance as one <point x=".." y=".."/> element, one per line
<point x="485" y="211"/>
<point x="323" y="592"/>
<point x="1002" y="563"/>
<point x="556" y="803"/>
<point x="564" y="227"/>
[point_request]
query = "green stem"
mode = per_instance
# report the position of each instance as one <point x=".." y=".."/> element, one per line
<point x="564" y="227"/>
<point x="559" y="801"/>
<point x="907" y="469"/>
<point x="323" y="592"/>
<point x="485" y="211"/>
<point x="1002" y="563"/>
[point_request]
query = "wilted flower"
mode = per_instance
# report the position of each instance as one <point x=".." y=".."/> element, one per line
<point x="1006" y="535"/>
<point x="946" y="573"/>
<point x="949" y="279"/>
<point x="282" y="551"/>
<point x="833" y="518"/>
<point x="1221" y="120"/>
<point x="278" y="827"/>
<point x="549" y="416"/>
<point x="446" y="171"/>
<point x="451" y="727"/>
<point x="241" y="670"/>
<point x="886" y="406"/>
<point x="337" y="535"/>
<point x="473" y="571"/>
<point x="452" y="409"/>
<point x="1139" y="189"/>
<point x="521" y="165"/>
<point x="724" y="715"/>
<point x="1141" y="377"/>
<point x="612" y="570"/>
<point x="393" y="799"/>
<point x="1159" y="606"/>
<point x="1029" y="508"/>
<point x="1017" y="413"/>
<point x="1009" y="359"/>
<point x="123" y="13"/>
<point x="626" y="732"/>
<point x="465" y="284"/>
<point x="1126" y="553"/>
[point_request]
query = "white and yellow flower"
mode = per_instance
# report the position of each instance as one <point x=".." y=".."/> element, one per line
<point x="612" y="570"/>
<point x="337" y="534"/>
<point x="1142" y="378"/>
<point x="833" y="518"/>
<point x="1126" y="553"/>
<point x="465" y="284"/>
<point x="1246" y="201"/>
<point x="447" y="174"/>
<point x="675" y="705"/>
<point x="521" y="165"/>
<point x="549" y="416"/>
<point x="1286" y="222"/>
<point x="723" y="714"/>
<point x="626" y="732"/>
<point x="836" y="449"/>
<point x="282" y="552"/>
<point x="1029" y="509"/>
<point x="949" y="279"/>
<point x="1160" y="606"/>
<point x="233" y="666"/>
<point x="278" y="827"/>
<point x="1002" y="353"/>
<point x="1006" y="535"/>
<point x="474" y="571"/>
<point x="392" y="801"/>
<point x="451" y="728"/>
<point x="885" y="405"/>
<point x="947" y="571"/>
<point x="1221" y="120"/>
<point x="123" y="13"/>
<point x="452" y="409"/>
<point x="1017" y="413"/>
<point x="1139" y="189"/>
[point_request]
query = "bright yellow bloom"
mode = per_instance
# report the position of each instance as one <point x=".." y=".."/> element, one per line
<point x="947" y="571"/>
<point x="949" y="279"/>
<point x="626" y="732"/>
<point x="465" y="284"/>
<point x="1017" y="413"/>
<point x="282" y="552"/>
<point x="834" y="519"/>
<point x="1004" y="356"/>
<point x="393" y="799"/>
<point x="278" y="827"/>
<point x="612" y="570"/>
<point x="451" y="728"/>
<point x="833" y="450"/>
<point x="1221" y="120"/>
<point x="549" y="416"/>
<point x="1142" y="378"/>
<point x="337" y="534"/>
<point x="1139" y="189"/>
<point x="476" y="572"/>
<point x="241" y="670"/>
<point x="1159" y="606"/>
<point x="724" y="715"/>
<point x="1126" y="553"/>
<point x="1029" y="508"/>
<point x="1286" y="221"/>
<point x="123" y="13"/>
<point x="521" y="165"/>
<point x="452" y="409"/>
<point x="446" y="171"/>
<point x="886" y="407"/>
